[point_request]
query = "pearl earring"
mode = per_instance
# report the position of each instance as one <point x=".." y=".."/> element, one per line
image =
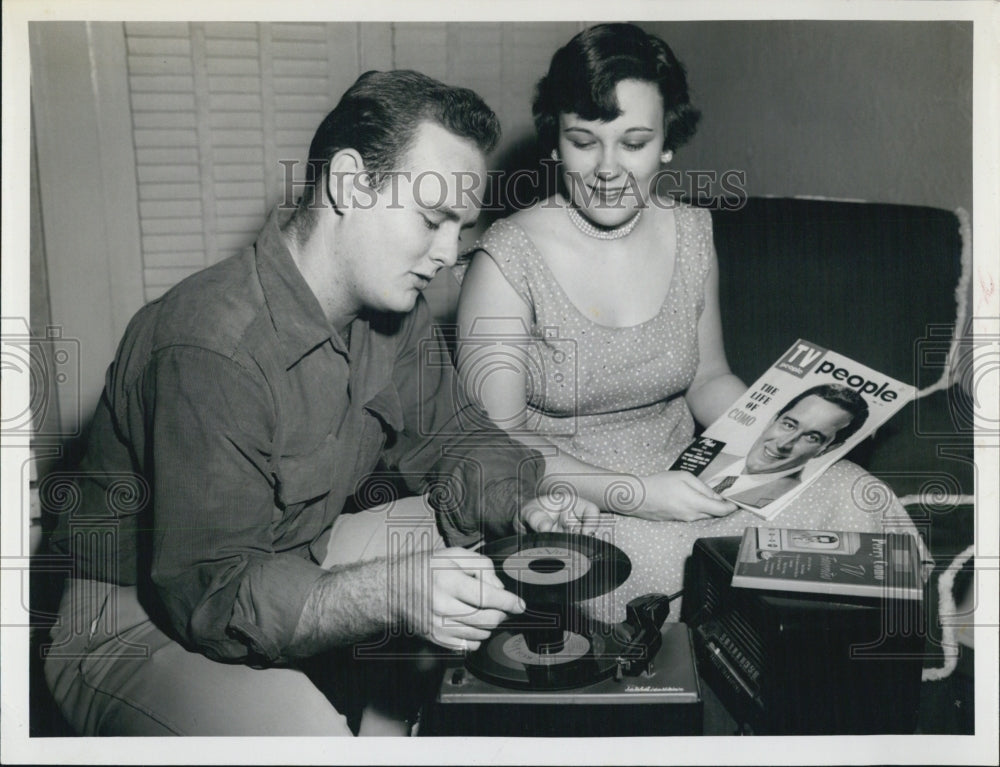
<point x="666" y="157"/>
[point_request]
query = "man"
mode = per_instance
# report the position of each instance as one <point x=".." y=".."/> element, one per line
<point x="808" y="426"/>
<point x="241" y="412"/>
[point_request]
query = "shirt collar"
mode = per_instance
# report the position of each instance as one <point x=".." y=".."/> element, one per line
<point x="295" y="311"/>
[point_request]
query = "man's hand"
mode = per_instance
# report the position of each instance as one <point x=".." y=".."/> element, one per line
<point x="560" y="512"/>
<point x="453" y="597"/>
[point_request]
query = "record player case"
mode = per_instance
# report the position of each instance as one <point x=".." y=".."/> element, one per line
<point x="664" y="701"/>
<point x="803" y="664"/>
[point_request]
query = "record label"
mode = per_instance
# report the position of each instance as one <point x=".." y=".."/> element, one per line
<point x="558" y="568"/>
<point x="543" y="565"/>
<point x="574" y="646"/>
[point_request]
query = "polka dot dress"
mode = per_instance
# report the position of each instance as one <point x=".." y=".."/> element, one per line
<point x="610" y="396"/>
<point x="614" y="398"/>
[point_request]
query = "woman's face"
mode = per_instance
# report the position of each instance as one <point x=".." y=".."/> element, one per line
<point x="608" y="166"/>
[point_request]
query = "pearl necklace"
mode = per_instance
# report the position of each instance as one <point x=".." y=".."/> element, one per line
<point x="615" y="233"/>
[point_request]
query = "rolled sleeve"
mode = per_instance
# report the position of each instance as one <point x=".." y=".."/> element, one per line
<point x="227" y="592"/>
<point x="479" y="497"/>
<point x="269" y="601"/>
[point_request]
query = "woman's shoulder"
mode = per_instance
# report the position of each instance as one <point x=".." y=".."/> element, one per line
<point x="693" y="225"/>
<point x="504" y="239"/>
<point x="536" y="219"/>
<point x="683" y="211"/>
<point x="510" y="243"/>
<point x="524" y="230"/>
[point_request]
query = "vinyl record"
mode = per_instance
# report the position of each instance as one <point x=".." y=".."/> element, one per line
<point x="577" y="658"/>
<point x="558" y="568"/>
<point x="506" y="660"/>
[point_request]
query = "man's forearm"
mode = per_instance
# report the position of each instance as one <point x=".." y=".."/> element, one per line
<point x="347" y="605"/>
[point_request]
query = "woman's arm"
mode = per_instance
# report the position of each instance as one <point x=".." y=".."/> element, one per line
<point x="714" y="387"/>
<point x="494" y="375"/>
<point x="493" y="334"/>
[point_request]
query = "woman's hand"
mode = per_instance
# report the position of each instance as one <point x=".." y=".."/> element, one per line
<point x="560" y="512"/>
<point x="677" y="496"/>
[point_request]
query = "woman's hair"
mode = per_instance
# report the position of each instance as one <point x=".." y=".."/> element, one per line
<point x="583" y="74"/>
<point x="378" y="116"/>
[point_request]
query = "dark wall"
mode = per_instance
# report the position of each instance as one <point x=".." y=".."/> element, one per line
<point x="878" y="111"/>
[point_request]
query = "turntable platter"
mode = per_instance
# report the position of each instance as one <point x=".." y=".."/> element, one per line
<point x="508" y="660"/>
<point x="554" y="645"/>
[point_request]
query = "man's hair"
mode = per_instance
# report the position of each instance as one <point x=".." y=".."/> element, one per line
<point x="379" y="115"/>
<point x="845" y="398"/>
<point x="583" y="75"/>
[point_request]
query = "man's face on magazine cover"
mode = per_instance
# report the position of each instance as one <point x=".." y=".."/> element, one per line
<point x="800" y="433"/>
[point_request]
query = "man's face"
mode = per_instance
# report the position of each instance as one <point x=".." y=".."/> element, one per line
<point x="798" y="434"/>
<point x="397" y="239"/>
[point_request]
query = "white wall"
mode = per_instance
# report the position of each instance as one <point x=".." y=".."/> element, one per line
<point x="88" y="200"/>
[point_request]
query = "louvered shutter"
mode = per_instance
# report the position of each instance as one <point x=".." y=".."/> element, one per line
<point x="223" y="112"/>
<point x="165" y="132"/>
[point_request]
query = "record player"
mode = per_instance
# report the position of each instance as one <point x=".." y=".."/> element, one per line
<point x="554" y="670"/>
<point x="790" y="663"/>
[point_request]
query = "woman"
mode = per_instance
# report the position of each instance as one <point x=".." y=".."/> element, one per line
<point x="590" y="323"/>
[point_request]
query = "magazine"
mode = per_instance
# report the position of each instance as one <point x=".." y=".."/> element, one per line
<point x="830" y="562"/>
<point x="809" y="409"/>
